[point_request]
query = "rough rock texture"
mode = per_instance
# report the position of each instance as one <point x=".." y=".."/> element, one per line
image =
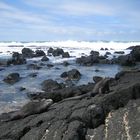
<point x="126" y="60"/>
<point x="12" y="78"/>
<point x="65" y="55"/>
<point x="109" y="116"/>
<point x="17" y="59"/>
<point x="72" y="74"/>
<point x="136" y="53"/>
<point x="39" y="53"/>
<point x="50" y="85"/>
<point x="44" y="58"/>
<point x="27" y="53"/>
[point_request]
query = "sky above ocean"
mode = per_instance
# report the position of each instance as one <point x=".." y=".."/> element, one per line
<point x="44" y="20"/>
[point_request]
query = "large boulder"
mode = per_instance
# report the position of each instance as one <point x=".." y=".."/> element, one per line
<point x="17" y="59"/>
<point x="72" y="74"/>
<point x="57" y="52"/>
<point x="136" y="53"/>
<point x="50" y="85"/>
<point x="126" y="60"/>
<point x="87" y="60"/>
<point x="45" y="58"/>
<point x="12" y="78"/>
<point x="39" y="53"/>
<point x="94" y="53"/>
<point x="65" y="55"/>
<point x="27" y="53"/>
<point x="50" y="50"/>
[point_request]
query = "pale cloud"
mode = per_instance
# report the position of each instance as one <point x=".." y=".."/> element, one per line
<point x="73" y="7"/>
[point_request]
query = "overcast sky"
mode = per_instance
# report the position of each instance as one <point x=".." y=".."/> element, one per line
<point x="44" y="20"/>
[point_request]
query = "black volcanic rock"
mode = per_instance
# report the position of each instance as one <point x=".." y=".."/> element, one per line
<point x="108" y="116"/>
<point x="39" y="53"/>
<point x="72" y="74"/>
<point x="12" y="78"/>
<point x="57" y="52"/>
<point x="17" y="59"/>
<point x="87" y="60"/>
<point x="50" y="85"/>
<point x="27" y="53"/>
<point x="119" y="52"/>
<point x="45" y="58"/>
<point x="50" y="50"/>
<point x="94" y="53"/>
<point x="136" y="53"/>
<point x="126" y="60"/>
<point x="65" y="55"/>
<point x="33" y="66"/>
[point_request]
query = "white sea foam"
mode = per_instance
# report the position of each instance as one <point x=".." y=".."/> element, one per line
<point x="76" y="48"/>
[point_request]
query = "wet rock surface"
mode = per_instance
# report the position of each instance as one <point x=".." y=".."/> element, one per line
<point x="102" y="117"/>
<point x="71" y="75"/>
<point x="12" y="78"/>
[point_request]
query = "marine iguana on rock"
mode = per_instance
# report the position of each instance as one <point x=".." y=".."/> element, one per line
<point x="33" y="107"/>
<point x="101" y="87"/>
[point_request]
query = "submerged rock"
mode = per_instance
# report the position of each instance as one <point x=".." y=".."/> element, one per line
<point x="12" y="78"/>
<point x="33" y="66"/>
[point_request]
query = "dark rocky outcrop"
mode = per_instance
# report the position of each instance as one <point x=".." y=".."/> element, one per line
<point x="65" y="63"/>
<point x="126" y="60"/>
<point x="119" y="52"/>
<point x="50" y="85"/>
<point x="50" y="50"/>
<point x="107" y="116"/>
<point x="57" y="52"/>
<point x="94" y="53"/>
<point x="27" y="53"/>
<point x="17" y="59"/>
<point x="39" y="53"/>
<point x="65" y="55"/>
<point x="97" y="78"/>
<point x="72" y="74"/>
<point x="45" y="58"/>
<point x="136" y="53"/>
<point x="12" y="78"/>
<point x="87" y="60"/>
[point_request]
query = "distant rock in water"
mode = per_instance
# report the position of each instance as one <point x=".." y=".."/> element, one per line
<point x="50" y="85"/>
<point x="27" y="53"/>
<point x="65" y="55"/>
<point x="72" y="74"/>
<point x="39" y="53"/>
<point x="12" y="78"/>
<point x="45" y="58"/>
<point x="119" y="52"/>
<point x="17" y="59"/>
<point x="33" y="66"/>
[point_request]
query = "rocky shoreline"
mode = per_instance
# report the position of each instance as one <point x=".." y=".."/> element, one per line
<point x="107" y="109"/>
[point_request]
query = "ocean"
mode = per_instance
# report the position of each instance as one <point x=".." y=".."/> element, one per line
<point x="11" y="98"/>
